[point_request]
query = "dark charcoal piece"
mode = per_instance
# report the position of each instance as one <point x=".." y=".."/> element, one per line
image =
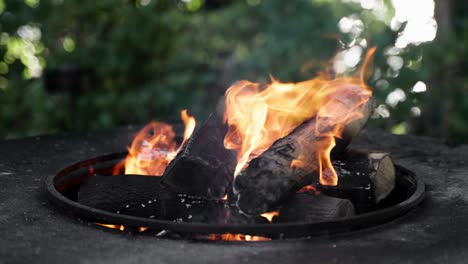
<point x="203" y="167"/>
<point x="365" y="178"/>
<point x="143" y="196"/>
<point x="307" y="207"/>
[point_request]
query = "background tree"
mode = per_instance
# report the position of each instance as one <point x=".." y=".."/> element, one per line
<point x="151" y="58"/>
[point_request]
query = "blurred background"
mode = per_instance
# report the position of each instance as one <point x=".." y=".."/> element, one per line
<point x="82" y="65"/>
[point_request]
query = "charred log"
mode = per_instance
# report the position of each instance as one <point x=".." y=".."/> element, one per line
<point x="270" y="178"/>
<point x="366" y="178"/>
<point x="135" y="195"/>
<point x="120" y="194"/>
<point x="203" y="167"/>
<point x="307" y="207"/>
<point x="143" y="196"/>
<point x="273" y="176"/>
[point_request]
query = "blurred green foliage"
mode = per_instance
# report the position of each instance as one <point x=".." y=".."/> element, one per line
<point x="155" y="57"/>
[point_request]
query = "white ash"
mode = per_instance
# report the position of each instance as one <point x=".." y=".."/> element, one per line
<point x="162" y="233"/>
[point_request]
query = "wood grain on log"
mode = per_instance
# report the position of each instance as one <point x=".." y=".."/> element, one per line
<point x="307" y="207"/>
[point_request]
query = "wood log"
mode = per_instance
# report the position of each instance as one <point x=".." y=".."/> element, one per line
<point x="134" y="195"/>
<point x="308" y="207"/>
<point x="114" y="193"/>
<point x="143" y="196"/>
<point x="270" y="178"/>
<point x="353" y="129"/>
<point x="364" y="177"/>
<point x="203" y="167"/>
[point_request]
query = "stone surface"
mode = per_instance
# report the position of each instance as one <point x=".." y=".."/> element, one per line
<point x="33" y="231"/>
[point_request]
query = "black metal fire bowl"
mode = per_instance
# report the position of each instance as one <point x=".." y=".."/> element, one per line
<point x="62" y="191"/>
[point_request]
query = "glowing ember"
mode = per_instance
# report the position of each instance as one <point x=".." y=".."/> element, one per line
<point x="236" y="237"/>
<point x="225" y="237"/>
<point x="270" y="215"/>
<point x="119" y="227"/>
<point x="154" y="147"/>
<point x="142" y="228"/>
<point x="91" y="170"/>
<point x="309" y="188"/>
<point x="259" y="115"/>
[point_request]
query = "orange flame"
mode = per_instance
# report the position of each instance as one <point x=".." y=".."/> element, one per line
<point x="121" y="227"/>
<point x="189" y="123"/>
<point x="224" y="237"/>
<point x="259" y="115"/>
<point x="270" y="215"/>
<point x="142" y="229"/>
<point x="154" y="147"/>
<point x="237" y="237"/>
<point x="111" y="226"/>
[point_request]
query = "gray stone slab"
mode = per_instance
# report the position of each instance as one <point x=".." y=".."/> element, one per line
<point x="33" y="231"/>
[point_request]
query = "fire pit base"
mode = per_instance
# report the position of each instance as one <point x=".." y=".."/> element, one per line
<point x="34" y="231"/>
<point x="63" y="189"/>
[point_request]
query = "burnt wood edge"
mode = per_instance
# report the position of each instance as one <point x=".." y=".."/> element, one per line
<point x="291" y="230"/>
<point x="204" y="154"/>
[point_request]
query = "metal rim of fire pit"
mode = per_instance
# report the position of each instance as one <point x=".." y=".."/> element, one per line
<point x="297" y="229"/>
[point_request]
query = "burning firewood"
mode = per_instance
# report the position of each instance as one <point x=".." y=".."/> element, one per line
<point x="302" y="156"/>
<point x="270" y="178"/>
<point x="366" y="178"/>
<point x="203" y="167"/>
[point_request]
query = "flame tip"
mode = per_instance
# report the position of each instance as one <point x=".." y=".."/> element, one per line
<point x="153" y="147"/>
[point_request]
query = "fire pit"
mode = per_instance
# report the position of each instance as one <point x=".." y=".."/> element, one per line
<point x="62" y="189"/>
<point x="270" y="162"/>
